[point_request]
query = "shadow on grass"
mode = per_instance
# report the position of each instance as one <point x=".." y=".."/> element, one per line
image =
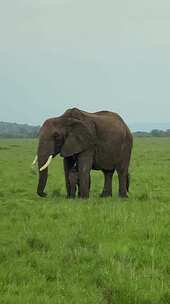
<point x="57" y="193"/>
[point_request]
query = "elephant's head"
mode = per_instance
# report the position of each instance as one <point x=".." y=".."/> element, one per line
<point x="69" y="134"/>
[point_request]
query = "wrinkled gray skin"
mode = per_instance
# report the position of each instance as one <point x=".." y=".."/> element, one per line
<point x="99" y="141"/>
<point x="73" y="181"/>
<point x="73" y="178"/>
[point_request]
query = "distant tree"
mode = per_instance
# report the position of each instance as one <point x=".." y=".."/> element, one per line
<point x="157" y="133"/>
<point x="168" y="132"/>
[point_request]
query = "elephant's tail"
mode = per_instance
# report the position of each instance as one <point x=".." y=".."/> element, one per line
<point x="128" y="182"/>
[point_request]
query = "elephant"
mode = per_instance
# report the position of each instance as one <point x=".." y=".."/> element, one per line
<point x="98" y="141"/>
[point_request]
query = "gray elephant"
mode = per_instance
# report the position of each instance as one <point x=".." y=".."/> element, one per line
<point x="99" y="141"/>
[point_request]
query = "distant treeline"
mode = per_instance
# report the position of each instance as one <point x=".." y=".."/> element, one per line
<point x="154" y="133"/>
<point x="14" y="130"/>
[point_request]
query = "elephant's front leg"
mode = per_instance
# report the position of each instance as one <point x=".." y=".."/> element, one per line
<point x="68" y="164"/>
<point x="84" y="167"/>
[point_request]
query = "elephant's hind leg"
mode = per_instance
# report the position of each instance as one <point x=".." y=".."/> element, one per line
<point x="123" y="183"/>
<point x="107" y="189"/>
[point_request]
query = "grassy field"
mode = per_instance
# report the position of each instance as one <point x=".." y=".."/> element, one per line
<point x="98" y="251"/>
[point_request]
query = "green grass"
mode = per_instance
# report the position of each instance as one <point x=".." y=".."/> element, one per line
<point x="104" y="251"/>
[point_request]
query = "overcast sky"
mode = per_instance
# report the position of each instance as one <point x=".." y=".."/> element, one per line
<point x="92" y="54"/>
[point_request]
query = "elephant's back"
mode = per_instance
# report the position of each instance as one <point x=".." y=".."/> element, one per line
<point x="113" y="138"/>
<point x="103" y="117"/>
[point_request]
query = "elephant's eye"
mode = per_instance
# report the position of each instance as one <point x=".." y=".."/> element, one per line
<point x="57" y="135"/>
<point x="58" y="138"/>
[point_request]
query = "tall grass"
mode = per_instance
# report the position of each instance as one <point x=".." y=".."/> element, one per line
<point x="104" y="251"/>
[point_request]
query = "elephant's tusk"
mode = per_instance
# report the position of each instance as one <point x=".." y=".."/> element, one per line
<point x="47" y="163"/>
<point x="34" y="161"/>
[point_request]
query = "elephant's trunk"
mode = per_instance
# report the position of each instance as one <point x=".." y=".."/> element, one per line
<point x="46" y="151"/>
<point x="43" y="175"/>
<point x="43" y="162"/>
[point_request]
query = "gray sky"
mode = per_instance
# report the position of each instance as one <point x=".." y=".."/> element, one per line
<point x="93" y="54"/>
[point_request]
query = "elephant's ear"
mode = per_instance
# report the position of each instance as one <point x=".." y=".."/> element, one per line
<point x="80" y="137"/>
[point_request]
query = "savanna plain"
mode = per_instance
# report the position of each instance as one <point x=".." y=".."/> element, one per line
<point x="56" y="250"/>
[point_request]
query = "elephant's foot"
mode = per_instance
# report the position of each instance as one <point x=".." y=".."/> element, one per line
<point x="83" y="196"/>
<point x="123" y="195"/>
<point x="42" y="194"/>
<point x="106" y="194"/>
<point x="71" y="196"/>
